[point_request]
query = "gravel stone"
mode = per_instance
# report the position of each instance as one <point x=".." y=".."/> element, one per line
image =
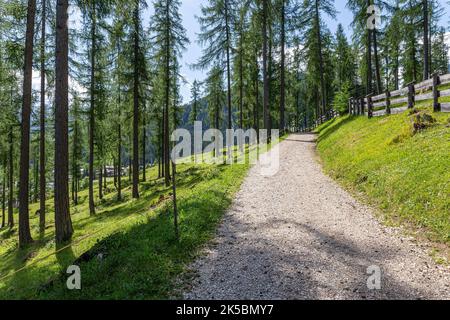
<point x="299" y="236"/>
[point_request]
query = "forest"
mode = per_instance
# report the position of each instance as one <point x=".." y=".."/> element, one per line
<point x="91" y="91"/>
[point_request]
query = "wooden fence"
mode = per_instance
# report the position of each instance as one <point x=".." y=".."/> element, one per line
<point x="394" y="102"/>
<point x="331" y="114"/>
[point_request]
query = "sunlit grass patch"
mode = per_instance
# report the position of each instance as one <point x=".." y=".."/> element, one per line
<point x="405" y="173"/>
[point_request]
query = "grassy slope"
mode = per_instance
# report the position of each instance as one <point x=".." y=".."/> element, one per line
<point x="140" y="257"/>
<point x="406" y="175"/>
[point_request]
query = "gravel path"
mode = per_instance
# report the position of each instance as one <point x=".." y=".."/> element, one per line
<point x="298" y="235"/>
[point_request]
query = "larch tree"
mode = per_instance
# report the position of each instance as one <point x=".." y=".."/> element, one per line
<point x="317" y="39"/>
<point x="426" y="40"/>
<point x="344" y="60"/>
<point x="392" y="43"/>
<point x="138" y="80"/>
<point x="63" y="222"/>
<point x="42" y="154"/>
<point x="94" y="14"/>
<point x="240" y="27"/>
<point x="215" y="36"/>
<point x="195" y="101"/>
<point x="169" y="40"/>
<point x="24" y="223"/>
<point x="362" y="36"/>
<point x="117" y="44"/>
<point x="215" y="96"/>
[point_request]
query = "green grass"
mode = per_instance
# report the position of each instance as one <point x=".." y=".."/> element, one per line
<point x="406" y="175"/>
<point x="141" y="258"/>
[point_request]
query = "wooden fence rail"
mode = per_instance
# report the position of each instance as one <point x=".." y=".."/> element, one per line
<point x="398" y="101"/>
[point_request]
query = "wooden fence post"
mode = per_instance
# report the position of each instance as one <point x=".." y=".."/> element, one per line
<point x="411" y="95"/>
<point x="436" y="82"/>
<point x="369" y="106"/>
<point x="388" y="102"/>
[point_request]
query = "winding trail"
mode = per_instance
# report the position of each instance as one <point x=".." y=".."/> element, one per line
<point x="298" y="235"/>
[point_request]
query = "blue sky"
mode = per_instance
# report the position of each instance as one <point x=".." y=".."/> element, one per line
<point x="190" y="8"/>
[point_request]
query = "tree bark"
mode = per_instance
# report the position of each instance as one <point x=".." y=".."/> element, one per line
<point x="167" y="99"/>
<point x="377" y="62"/>
<point x="100" y="182"/>
<point x="119" y="164"/>
<point x="75" y="165"/>
<point x="265" y="71"/>
<point x="397" y="69"/>
<point x="24" y="223"/>
<point x="4" y="193"/>
<point x="241" y="82"/>
<point x="283" y="67"/>
<point x="36" y="178"/>
<point x="136" y="105"/>
<point x="369" y="58"/>
<point x="105" y="179"/>
<point x="92" y="113"/>
<point x="256" y="111"/>
<point x="426" y="42"/>
<point x="319" y="42"/>
<point x="228" y="40"/>
<point x="11" y="179"/>
<point x="63" y="223"/>
<point x="42" y="157"/>
<point x="144" y="142"/>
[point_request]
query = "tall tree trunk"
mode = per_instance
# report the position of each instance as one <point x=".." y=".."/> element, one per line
<point x="119" y="155"/>
<point x="42" y="160"/>
<point x="377" y="62"/>
<point x="115" y="172"/>
<point x="426" y="42"/>
<point x="130" y="169"/>
<point x="161" y="148"/>
<point x="167" y="99"/>
<point x="92" y="112"/>
<point x="36" y="178"/>
<point x="144" y="150"/>
<point x="162" y="143"/>
<point x="136" y="105"/>
<point x="322" y="75"/>
<point x="228" y="40"/>
<point x="75" y="172"/>
<point x="119" y="164"/>
<point x="283" y="63"/>
<point x="413" y="45"/>
<point x="265" y="71"/>
<point x="105" y="179"/>
<point x="413" y="59"/>
<point x="369" y="57"/>
<point x="63" y="222"/>
<point x="174" y="195"/>
<point x="256" y="111"/>
<point x="4" y="193"/>
<point x="100" y="182"/>
<point x="24" y="219"/>
<point x="397" y="69"/>
<point x="241" y="82"/>
<point x="270" y="76"/>
<point x="11" y="179"/>
<point x="174" y="165"/>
